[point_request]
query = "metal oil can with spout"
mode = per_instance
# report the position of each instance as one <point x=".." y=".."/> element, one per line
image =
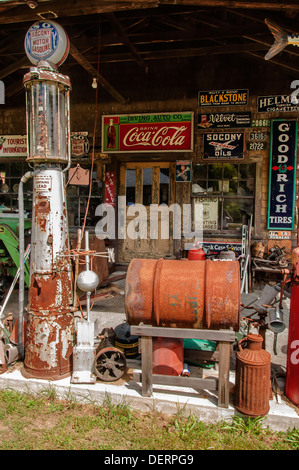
<point x="253" y="372"/>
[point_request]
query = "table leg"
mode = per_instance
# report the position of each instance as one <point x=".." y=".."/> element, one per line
<point x="146" y="366"/>
<point x="223" y="382"/>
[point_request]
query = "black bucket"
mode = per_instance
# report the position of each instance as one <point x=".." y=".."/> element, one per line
<point x="126" y="342"/>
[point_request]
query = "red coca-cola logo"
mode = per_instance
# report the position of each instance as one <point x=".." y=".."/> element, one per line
<point x="164" y="136"/>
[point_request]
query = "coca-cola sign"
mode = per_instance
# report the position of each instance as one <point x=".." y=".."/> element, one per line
<point x="163" y="132"/>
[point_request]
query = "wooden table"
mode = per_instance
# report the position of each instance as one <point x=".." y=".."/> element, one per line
<point x="224" y="338"/>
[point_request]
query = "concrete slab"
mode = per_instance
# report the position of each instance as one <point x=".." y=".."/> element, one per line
<point x="203" y="404"/>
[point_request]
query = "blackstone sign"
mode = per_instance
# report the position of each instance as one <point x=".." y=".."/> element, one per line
<point x="223" y="98"/>
<point x="282" y="174"/>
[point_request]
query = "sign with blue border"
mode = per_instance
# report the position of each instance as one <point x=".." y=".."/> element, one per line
<point x="282" y="174"/>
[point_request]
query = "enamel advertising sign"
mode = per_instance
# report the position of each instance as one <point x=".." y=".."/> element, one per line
<point x="224" y="120"/>
<point x="110" y="188"/>
<point x="79" y="144"/>
<point x="224" y="145"/>
<point x="223" y="98"/>
<point x="163" y="132"/>
<point x="277" y="103"/>
<point x="13" y="145"/>
<point x="282" y="174"/>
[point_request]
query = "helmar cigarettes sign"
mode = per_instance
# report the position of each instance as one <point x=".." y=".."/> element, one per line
<point x="13" y="145"/>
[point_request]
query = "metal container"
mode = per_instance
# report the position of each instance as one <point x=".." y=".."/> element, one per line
<point x="196" y="254"/>
<point x="126" y="342"/>
<point x="168" y="356"/>
<point x="183" y="293"/>
<point x="252" y="387"/>
<point x="276" y="323"/>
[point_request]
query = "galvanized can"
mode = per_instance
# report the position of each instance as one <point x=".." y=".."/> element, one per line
<point x="253" y="372"/>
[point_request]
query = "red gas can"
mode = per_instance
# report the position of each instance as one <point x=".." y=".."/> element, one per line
<point x="168" y="356"/>
<point x="196" y="254"/>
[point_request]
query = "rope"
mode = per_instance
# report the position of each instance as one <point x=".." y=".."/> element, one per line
<point x="93" y="139"/>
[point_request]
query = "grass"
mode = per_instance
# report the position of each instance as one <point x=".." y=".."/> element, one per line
<point x="43" y="422"/>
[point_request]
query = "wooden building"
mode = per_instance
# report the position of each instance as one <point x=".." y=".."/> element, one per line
<point x="197" y="112"/>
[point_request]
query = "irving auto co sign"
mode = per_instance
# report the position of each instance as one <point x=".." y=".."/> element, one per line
<point x="163" y="132"/>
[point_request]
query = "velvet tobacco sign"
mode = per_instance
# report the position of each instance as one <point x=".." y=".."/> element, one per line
<point x="224" y="120"/>
<point x="282" y="174"/>
<point x="162" y="132"/>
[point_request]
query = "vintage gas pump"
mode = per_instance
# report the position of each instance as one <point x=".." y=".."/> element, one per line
<point x="50" y="323"/>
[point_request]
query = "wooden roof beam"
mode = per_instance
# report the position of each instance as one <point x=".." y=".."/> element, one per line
<point x="289" y="68"/>
<point x="69" y="8"/>
<point x="246" y="4"/>
<point x="93" y="72"/>
<point x="190" y="52"/>
<point x="124" y="38"/>
<point x="11" y="68"/>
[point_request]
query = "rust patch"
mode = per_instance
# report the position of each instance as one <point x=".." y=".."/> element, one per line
<point x="50" y="293"/>
<point x="42" y="211"/>
<point x="49" y="346"/>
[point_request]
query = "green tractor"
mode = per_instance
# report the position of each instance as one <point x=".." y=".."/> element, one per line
<point x="9" y="248"/>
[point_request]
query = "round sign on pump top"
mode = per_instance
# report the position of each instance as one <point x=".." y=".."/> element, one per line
<point x="47" y="40"/>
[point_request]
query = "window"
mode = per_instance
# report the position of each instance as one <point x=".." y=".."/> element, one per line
<point x="10" y="175"/>
<point x="147" y="176"/>
<point x="77" y="196"/>
<point x="164" y="186"/>
<point x="130" y="186"/>
<point x="226" y="191"/>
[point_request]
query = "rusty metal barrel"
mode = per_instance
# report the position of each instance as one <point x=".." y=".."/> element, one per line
<point x="183" y="293"/>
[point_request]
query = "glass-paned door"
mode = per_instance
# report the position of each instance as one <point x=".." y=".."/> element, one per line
<point x="148" y="189"/>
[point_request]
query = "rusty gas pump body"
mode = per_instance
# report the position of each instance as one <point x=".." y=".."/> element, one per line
<point x="50" y="322"/>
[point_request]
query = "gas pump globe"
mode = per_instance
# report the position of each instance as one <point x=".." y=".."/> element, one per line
<point x="50" y="322"/>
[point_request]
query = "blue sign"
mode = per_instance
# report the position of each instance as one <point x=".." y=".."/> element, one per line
<point x="282" y="174"/>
